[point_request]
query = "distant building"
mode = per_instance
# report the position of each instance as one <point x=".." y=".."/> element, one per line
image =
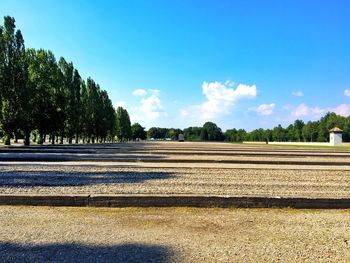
<point x="335" y="136"/>
<point x="181" y="138"/>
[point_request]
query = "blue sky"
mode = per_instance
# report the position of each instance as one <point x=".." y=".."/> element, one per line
<point x="242" y="64"/>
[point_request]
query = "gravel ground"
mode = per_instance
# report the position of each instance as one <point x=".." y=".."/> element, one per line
<point x="61" y="234"/>
<point x="47" y="234"/>
<point x="53" y="179"/>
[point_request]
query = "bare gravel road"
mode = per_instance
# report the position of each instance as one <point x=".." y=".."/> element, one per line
<point x="47" y="234"/>
<point x="17" y="179"/>
<point x="176" y="168"/>
<point x="62" y="234"/>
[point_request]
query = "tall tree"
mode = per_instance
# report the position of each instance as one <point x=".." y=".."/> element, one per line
<point x="204" y="135"/>
<point x="138" y="132"/>
<point x="68" y="93"/>
<point x="45" y="80"/>
<point x="213" y="131"/>
<point x="123" y="126"/>
<point x="298" y="127"/>
<point x="13" y="73"/>
<point x="74" y="121"/>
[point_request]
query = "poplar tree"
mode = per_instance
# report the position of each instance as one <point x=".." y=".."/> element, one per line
<point x="13" y="80"/>
<point x="123" y="125"/>
<point x="48" y="102"/>
<point x="43" y="97"/>
<point x="72" y="86"/>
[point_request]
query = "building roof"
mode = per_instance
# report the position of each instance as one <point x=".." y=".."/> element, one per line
<point x="335" y="129"/>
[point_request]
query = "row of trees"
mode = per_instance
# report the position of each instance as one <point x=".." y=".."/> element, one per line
<point x="163" y="133"/>
<point x="312" y="131"/>
<point x="45" y="97"/>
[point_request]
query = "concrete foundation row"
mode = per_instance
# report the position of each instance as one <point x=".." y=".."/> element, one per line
<point x="172" y="201"/>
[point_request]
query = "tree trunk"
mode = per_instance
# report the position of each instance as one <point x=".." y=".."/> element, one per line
<point x="53" y="139"/>
<point x="40" y="140"/>
<point x="61" y="139"/>
<point x="27" y="138"/>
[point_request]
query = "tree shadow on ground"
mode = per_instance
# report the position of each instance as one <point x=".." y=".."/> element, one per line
<point x="65" y="157"/>
<point x="10" y="252"/>
<point x="43" y="178"/>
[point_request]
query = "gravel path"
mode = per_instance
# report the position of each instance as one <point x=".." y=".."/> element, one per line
<point x="207" y="181"/>
<point x="61" y="234"/>
<point x="173" y="235"/>
<point x="181" y="171"/>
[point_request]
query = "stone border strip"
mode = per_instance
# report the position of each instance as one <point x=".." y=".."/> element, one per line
<point x="173" y="201"/>
<point x="166" y="160"/>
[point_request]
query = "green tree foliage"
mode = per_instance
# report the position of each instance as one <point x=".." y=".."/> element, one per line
<point x="98" y="116"/>
<point x="313" y="131"/>
<point x="310" y="131"/>
<point x="213" y="131"/>
<point x="157" y="133"/>
<point x="163" y="133"/>
<point x="138" y="132"/>
<point x="44" y="97"/>
<point x="123" y="125"/>
<point x="279" y="134"/>
<point x="72" y="86"/>
<point x="173" y="134"/>
<point x="13" y="73"/>
<point x="204" y="135"/>
<point x="233" y="135"/>
<point x="192" y="133"/>
<point x="258" y="135"/>
<point x="298" y="128"/>
<point x="46" y="82"/>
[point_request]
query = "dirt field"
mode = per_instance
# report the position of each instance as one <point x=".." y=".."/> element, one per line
<point x="61" y="234"/>
<point x="43" y="234"/>
<point x="176" y="168"/>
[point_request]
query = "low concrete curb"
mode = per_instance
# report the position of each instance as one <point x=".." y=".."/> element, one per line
<point x="165" y="160"/>
<point x="172" y="201"/>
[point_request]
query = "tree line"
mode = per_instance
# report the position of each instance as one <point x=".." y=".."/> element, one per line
<point x="312" y="131"/>
<point x="41" y="97"/>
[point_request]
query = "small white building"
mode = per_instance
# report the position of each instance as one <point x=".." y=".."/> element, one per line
<point x="335" y="136"/>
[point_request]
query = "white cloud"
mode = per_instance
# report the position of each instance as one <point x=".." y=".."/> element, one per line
<point x="150" y="108"/>
<point x="120" y="104"/>
<point x="298" y="93"/>
<point x="342" y="109"/>
<point x="347" y="92"/>
<point x="220" y="98"/>
<point x="303" y="110"/>
<point x="265" y="109"/>
<point x="184" y="113"/>
<point x="139" y="92"/>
